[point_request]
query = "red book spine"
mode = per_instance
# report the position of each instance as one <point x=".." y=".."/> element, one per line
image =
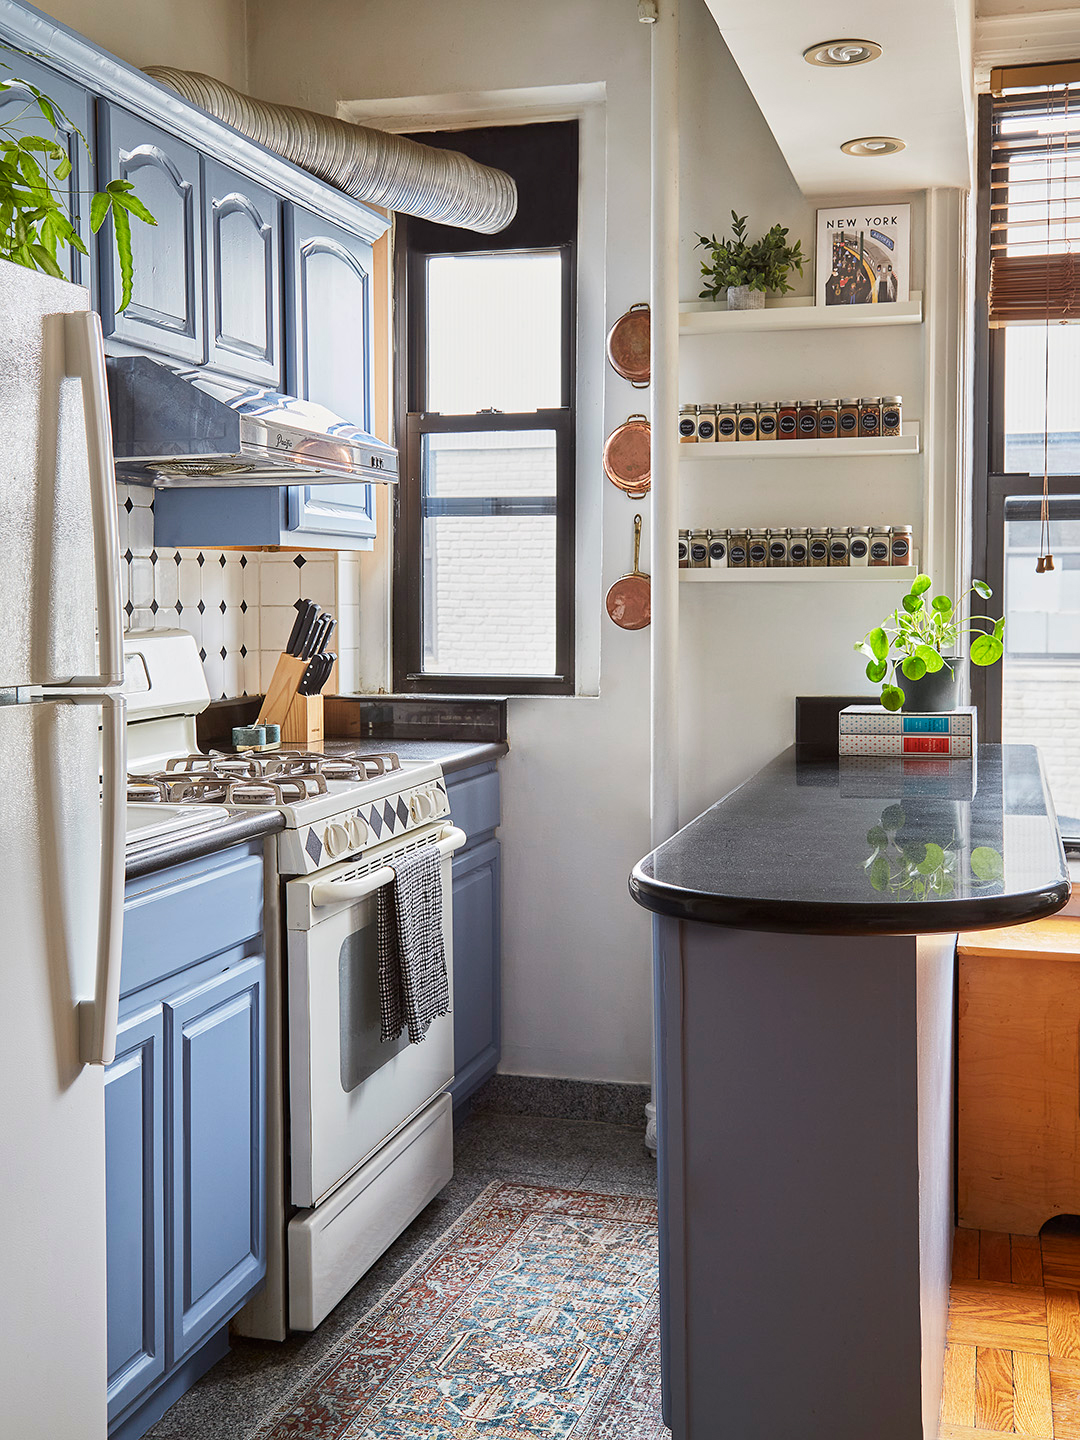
<point x="926" y="744"/>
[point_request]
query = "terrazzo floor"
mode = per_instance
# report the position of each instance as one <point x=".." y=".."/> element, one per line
<point x="490" y="1145"/>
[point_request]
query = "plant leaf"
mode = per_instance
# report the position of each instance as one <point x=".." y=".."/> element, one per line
<point x="876" y="836"/>
<point x="879" y="873"/>
<point x="122" y="234"/>
<point x="920" y="585"/>
<point x="893" y="817"/>
<point x="892" y="697"/>
<point x="913" y="667"/>
<point x="934" y="857"/>
<point x="986" y="863"/>
<point x="912" y="603"/>
<point x="981" y="589"/>
<point x="46" y="261"/>
<point x="136" y="206"/>
<point x="986" y="650"/>
<point x="878" y="642"/>
<point x="100" y="206"/>
<point x="930" y="658"/>
<point x="942" y="604"/>
<point x="876" y="670"/>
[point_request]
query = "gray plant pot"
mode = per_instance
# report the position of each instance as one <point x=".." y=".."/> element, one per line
<point x="933" y="692"/>
<point x="741" y="297"/>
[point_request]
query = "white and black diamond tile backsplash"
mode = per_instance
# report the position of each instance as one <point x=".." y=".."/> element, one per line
<point x="237" y="603"/>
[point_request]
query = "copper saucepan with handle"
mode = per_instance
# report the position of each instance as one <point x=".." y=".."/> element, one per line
<point x="628" y="457"/>
<point x="628" y="345"/>
<point x="629" y="601"/>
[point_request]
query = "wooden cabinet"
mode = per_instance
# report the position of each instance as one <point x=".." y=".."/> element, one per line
<point x="185" y="1129"/>
<point x="244" y="279"/>
<point x="166" y="313"/>
<point x="474" y="806"/>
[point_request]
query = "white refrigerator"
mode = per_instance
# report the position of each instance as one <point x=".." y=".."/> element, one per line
<point x="62" y="850"/>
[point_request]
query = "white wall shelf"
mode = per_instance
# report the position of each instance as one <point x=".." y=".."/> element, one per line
<point x="803" y="575"/>
<point x="859" y="448"/>
<point x="794" y="313"/>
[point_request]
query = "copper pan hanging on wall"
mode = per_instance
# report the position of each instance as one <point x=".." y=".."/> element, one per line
<point x="628" y="457"/>
<point x="628" y="345"/>
<point x="629" y="601"/>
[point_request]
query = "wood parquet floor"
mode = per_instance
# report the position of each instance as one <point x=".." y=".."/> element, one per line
<point x="1012" y="1366"/>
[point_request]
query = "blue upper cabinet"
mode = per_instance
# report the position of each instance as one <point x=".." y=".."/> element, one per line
<point x="243" y="247"/>
<point x="166" y="313"/>
<point x="20" y="114"/>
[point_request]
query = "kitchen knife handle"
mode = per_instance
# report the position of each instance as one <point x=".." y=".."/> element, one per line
<point x="298" y="625"/>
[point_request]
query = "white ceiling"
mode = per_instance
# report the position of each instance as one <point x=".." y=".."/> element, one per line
<point x="920" y="89"/>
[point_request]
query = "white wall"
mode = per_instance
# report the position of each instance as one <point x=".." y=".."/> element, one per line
<point x="206" y="35"/>
<point x="576" y="949"/>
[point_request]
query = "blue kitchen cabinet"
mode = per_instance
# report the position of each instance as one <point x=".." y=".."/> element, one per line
<point x="20" y="114"/>
<point x="474" y="806"/>
<point x="166" y="313"/>
<point x="185" y="1129"/>
<point x="244" y="278"/>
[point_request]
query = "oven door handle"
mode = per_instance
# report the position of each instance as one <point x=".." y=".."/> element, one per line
<point x="334" y="892"/>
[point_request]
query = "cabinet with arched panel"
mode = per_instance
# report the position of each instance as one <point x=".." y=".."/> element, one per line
<point x="244" y="279"/>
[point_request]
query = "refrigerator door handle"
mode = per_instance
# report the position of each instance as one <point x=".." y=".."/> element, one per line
<point x="84" y="360"/>
<point x="98" y="1017"/>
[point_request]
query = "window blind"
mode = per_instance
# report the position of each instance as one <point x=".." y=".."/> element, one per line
<point x="1035" y="195"/>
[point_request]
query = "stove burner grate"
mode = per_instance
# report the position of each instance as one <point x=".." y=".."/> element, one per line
<point x="229" y="778"/>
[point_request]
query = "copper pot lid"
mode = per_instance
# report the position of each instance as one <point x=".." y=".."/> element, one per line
<point x="628" y="345"/>
<point x="629" y="601"/>
<point x="628" y="457"/>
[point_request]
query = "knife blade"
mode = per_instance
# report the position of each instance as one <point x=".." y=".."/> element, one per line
<point x="311" y="635"/>
<point x="307" y="630"/>
<point x="298" y="625"/>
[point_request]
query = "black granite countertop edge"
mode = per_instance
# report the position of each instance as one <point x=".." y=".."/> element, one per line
<point x="822" y="917"/>
<point x="452" y="755"/>
<point x="179" y="849"/>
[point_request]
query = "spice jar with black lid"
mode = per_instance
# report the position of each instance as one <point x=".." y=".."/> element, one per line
<point x="757" y="549"/>
<point x="787" y="420"/>
<point x="808" y="419"/>
<point x="706" y="423"/>
<point x="684" y="549"/>
<point x="849" y="418"/>
<point x="819" y="548"/>
<point x="891" y="414"/>
<point x="828" y="419"/>
<point x="718" y="549"/>
<point x="870" y="415"/>
<point x="725" y="421"/>
<point x="736" y="549"/>
<point x="838" y="547"/>
<point x="688" y="425"/>
<point x="778" y="549"/>
<point x="900" y="544"/>
<point x="798" y="547"/>
<point x="699" y="549"/>
<point x="880" y="545"/>
<point x="859" y="544"/>
<point x="767" y="420"/>
<point x="747" y="422"/>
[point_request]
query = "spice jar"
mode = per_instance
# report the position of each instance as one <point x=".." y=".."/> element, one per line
<point x="718" y="549"/>
<point x="688" y="424"/>
<point x="699" y="549"/>
<point x="706" y="423"/>
<point x="849" y="417"/>
<point x="778" y="549"/>
<point x="684" y="549"/>
<point x="757" y="549"/>
<point x="819" y="548"/>
<point x="798" y="547"/>
<point x="736" y="549"/>
<point x="859" y="544"/>
<point x="767" y="420"/>
<point x="900" y="544"/>
<point x="880" y="545"/>
<point x="747" y="422"/>
<point x="725" y="421"/>
<point x="787" y="420"/>
<point x="808" y="413"/>
<point x="891" y="414"/>
<point x="828" y="419"/>
<point x="870" y="415"/>
<point x="838" y="547"/>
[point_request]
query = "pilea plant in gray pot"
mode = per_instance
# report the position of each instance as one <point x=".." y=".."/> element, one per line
<point x="745" y="270"/>
<point x="34" y="222"/>
<point x="918" y="644"/>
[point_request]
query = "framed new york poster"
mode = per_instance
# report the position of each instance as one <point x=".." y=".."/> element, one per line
<point x="863" y="254"/>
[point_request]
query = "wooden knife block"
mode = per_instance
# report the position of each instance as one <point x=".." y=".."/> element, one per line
<point x="300" y="716"/>
<point x="303" y="724"/>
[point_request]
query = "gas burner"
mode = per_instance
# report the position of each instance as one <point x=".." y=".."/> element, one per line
<point x="296" y="762"/>
<point x="222" y="785"/>
<point x="167" y="789"/>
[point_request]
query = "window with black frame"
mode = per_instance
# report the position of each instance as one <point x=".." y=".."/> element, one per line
<point x="1027" y="471"/>
<point x="484" y="539"/>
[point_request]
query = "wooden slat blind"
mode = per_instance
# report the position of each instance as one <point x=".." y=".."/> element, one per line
<point x="1035" y="201"/>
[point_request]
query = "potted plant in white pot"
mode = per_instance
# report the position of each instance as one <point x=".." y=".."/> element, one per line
<point x="744" y="270"/>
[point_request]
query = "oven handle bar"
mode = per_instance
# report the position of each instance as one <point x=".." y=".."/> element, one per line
<point x="333" y="892"/>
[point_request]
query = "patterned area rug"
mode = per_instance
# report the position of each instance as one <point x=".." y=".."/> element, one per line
<point x="535" y="1317"/>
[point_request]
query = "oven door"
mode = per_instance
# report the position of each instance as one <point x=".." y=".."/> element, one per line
<point x="349" y="1091"/>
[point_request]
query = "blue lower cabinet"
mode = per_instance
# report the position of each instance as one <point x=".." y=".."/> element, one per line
<point x="185" y="1130"/>
<point x="135" y="1207"/>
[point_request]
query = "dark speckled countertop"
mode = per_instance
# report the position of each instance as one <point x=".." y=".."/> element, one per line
<point x="867" y="846"/>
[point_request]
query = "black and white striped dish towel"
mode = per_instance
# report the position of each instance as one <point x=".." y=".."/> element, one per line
<point x="413" y="989"/>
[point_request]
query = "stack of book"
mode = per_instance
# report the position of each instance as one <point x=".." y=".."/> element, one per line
<point x="872" y="730"/>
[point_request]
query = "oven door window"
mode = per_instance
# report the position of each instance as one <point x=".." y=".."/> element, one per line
<point x="360" y="1021"/>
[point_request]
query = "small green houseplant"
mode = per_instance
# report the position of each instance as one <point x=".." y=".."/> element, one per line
<point x="747" y="270"/>
<point x="920" y="638"/>
<point x="34" y="221"/>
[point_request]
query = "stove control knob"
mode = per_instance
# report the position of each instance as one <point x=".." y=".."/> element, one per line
<point x="421" y="807"/>
<point x="358" y="831"/>
<point x="336" y="839"/>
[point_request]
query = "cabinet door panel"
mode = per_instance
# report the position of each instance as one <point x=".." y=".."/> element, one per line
<point x="217" y="1057"/>
<point x="20" y="114"/>
<point x="477" y="938"/>
<point x="166" y="311"/>
<point x="243" y="245"/>
<point x="134" y="1199"/>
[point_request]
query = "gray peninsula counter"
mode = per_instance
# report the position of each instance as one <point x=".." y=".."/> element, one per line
<point x="805" y="955"/>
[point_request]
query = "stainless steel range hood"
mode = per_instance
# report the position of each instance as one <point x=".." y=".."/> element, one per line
<point x="174" y="428"/>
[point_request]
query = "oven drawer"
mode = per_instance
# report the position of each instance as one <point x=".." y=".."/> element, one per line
<point x="474" y="803"/>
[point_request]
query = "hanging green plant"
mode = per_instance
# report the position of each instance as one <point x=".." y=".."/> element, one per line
<point x="34" y="222"/>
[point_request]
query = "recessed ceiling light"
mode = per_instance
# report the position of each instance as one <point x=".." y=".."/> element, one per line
<point x="873" y="145"/>
<point x="842" y="52"/>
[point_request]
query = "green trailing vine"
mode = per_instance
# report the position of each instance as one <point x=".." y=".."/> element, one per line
<point x="34" y="221"/>
<point x="763" y="265"/>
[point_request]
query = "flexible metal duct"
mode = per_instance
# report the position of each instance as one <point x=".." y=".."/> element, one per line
<point x="371" y="165"/>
